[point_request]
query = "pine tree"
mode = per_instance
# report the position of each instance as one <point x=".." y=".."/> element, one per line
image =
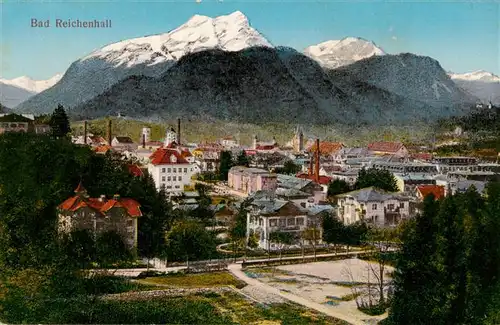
<point x="242" y="159"/>
<point x="413" y="301"/>
<point x="226" y="162"/>
<point x="59" y="123"/>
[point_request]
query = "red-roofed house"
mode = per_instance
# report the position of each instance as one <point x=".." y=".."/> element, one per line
<point x="423" y="190"/>
<point x="100" y="215"/>
<point x="327" y="148"/>
<point x="135" y="170"/>
<point x="170" y="168"/>
<point x="391" y="148"/>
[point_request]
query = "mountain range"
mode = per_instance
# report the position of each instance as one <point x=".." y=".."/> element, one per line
<point x="223" y="68"/>
<point x="15" y="91"/>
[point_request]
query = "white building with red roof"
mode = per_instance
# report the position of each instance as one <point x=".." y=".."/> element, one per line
<point x="172" y="168"/>
<point x="100" y="215"/>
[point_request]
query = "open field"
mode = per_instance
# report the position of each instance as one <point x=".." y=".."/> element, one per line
<point x="336" y="284"/>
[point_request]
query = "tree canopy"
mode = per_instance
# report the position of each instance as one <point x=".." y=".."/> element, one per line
<point x="59" y="123"/>
<point x="379" y="178"/>
<point x="455" y="243"/>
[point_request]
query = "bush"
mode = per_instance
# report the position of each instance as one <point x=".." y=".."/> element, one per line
<point x="374" y="310"/>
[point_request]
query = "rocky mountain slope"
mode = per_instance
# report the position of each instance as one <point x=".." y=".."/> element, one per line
<point x="15" y="91"/>
<point x="12" y="96"/>
<point x="337" y="53"/>
<point x="222" y="68"/>
<point x="416" y="78"/>
<point x="148" y="56"/>
<point x="266" y="84"/>
<point x="482" y="84"/>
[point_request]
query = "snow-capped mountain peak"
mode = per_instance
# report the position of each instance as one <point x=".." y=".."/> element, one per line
<point x="337" y="53"/>
<point x="34" y="86"/>
<point x="479" y="75"/>
<point x="230" y="33"/>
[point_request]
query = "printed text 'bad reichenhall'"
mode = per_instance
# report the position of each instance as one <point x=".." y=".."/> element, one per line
<point x="70" y="23"/>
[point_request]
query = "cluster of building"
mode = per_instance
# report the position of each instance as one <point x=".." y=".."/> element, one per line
<point x="291" y="203"/>
<point x="11" y="122"/>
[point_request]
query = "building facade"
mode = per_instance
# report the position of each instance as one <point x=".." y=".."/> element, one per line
<point x="100" y="215"/>
<point x="170" y="170"/>
<point x="373" y="206"/>
<point x="250" y="180"/>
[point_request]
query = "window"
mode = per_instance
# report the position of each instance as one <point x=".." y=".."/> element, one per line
<point x="168" y="178"/>
<point x="273" y="222"/>
<point x="291" y="221"/>
<point x="390" y="206"/>
<point x="191" y="169"/>
<point x="402" y="205"/>
<point x="175" y="178"/>
<point x="177" y="186"/>
<point x="261" y="222"/>
<point x="300" y="221"/>
<point x="374" y="207"/>
<point x="175" y="170"/>
<point x="163" y="170"/>
<point x="185" y="170"/>
<point x="180" y="178"/>
<point x="282" y="222"/>
<point x="169" y="186"/>
<point x="163" y="178"/>
<point x="168" y="170"/>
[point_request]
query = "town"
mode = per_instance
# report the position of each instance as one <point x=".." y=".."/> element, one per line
<point x="312" y="205"/>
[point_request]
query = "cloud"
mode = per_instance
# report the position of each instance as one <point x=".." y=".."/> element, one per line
<point x="394" y="38"/>
<point x="391" y="28"/>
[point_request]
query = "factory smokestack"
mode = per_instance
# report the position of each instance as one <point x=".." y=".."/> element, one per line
<point x="179" y="131"/>
<point x="311" y="159"/>
<point x="85" y="132"/>
<point x="109" y="132"/>
<point x="317" y="161"/>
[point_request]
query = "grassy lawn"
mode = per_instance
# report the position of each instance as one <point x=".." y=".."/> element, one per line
<point x="228" y="308"/>
<point x="242" y="311"/>
<point x="195" y="280"/>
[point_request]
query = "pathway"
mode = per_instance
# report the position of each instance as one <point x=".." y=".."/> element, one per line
<point x="236" y="270"/>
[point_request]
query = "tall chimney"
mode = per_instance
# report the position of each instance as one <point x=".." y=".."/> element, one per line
<point x="85" y="132"/>
<point x="179" y="131"/>
<point x="143" y="141"/>
<point x="311" y="159"/>
<point x="317" y="160"/>
<point x="109" y="133"/>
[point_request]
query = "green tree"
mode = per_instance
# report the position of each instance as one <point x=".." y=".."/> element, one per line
<point x="355" y="234"/>
<point x="59" y="123"/>
<point x="242" y="159"/>
<point x="333" y="230"/>
<point x="226" y="162"/>
<point x="188" y="240"/>
<point x="79" y="246"/>
<point x="110" y="248"/>
<point x="281" y="238"/>
<point x="289" y="168"/>
<point x="338" y="186"/>
<point x="238" y="228"/>
<point x="379" y="178"/>
<point x="413" y="301"/>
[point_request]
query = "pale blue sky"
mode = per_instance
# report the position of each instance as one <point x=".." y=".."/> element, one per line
<point x="463" y="36"/>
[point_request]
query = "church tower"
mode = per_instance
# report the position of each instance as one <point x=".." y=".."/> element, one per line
<point x="170" y="137"/>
